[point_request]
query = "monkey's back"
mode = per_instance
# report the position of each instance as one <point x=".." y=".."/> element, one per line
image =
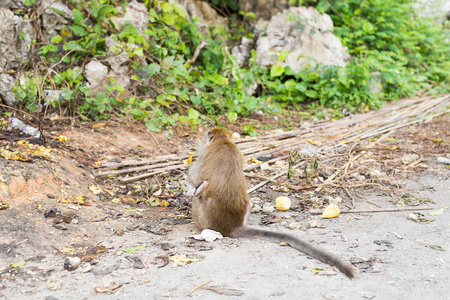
<point x="225" y="195"/>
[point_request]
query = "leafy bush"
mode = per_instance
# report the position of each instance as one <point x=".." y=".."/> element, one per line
<point x="389" y="45"/>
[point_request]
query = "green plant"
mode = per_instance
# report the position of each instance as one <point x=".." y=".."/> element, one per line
<point x="179" y="74"/>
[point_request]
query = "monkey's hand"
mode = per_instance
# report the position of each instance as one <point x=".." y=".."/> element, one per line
<point x="192" y="191"/>
<point x="200" y="188"/>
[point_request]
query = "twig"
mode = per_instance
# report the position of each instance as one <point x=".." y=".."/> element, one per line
<point x="152" y="173"/>
<point x="225" y="291"/>
<point x="129" y="170"/>
<point x="317" y="212"/>
<point x="351" y="197"/>
<point x="329" y="180"/>
<point x="373" y="203"/>
<point x="197" y="51"/>
<point x="197" y="287"/>
<point x="397" y="235"/>
<point x="271" y="178"/>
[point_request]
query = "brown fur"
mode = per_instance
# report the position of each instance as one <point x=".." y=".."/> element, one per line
<point x="222" y="203"/>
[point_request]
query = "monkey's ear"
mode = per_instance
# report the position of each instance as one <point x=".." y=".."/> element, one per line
<point x="210" y="136"/>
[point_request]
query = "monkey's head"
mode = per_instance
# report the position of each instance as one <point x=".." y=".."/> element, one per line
<point x="216" y="133"/>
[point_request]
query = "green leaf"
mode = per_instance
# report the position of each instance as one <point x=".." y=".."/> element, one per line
<point x="18" y="264"/>
<point x="283" y="54"/>
<point x="56" y="39"/>
<point x="119" y="88"/>
<point x="77" y="16"/>
<point x="250" y="15"/>
<point x="78" y="30"/>
<point x="71" y="45"/>
<point x="150" y="124"/>
<point x="368" y="27"/>
<point x="133" y="249"/>
<point x="166" y="7"/>
<point x="138" y="52"/>
<point x="152" y="69"/>
<point x="180" y="10"/>
<point x="276" y="71"/>
<point x="312" y="94"/>
<point x="77" y="71"/>
<point x="169" y="18"/>
<point x="57" y="11"/>
<point x="232" y="117"/>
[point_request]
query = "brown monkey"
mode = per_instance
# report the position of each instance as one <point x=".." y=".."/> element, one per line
<point x="221" y="202"/>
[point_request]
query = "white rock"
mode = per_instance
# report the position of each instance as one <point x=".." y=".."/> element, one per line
<point x="308" y="36"/>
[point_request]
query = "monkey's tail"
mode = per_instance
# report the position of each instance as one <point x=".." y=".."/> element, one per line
<point x="294" y="242"/>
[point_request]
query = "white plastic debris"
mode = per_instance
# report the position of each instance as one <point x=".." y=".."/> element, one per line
<point x="208" y="235"/>
<point x="16" y="123"/>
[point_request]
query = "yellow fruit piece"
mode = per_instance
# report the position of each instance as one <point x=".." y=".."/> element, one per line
<point x="253" y="160"/>
<point x="61" y="138"/>
<point x="331" y="211"/>
<point x="282" y="203"/>
<point x="189" y="160"/>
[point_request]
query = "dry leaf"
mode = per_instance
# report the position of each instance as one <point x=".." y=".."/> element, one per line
<point x="182" y="259"/>
<point x="98" y="125"/>
<point x="18" y="264"/>
<point x="95" y="189"/>
<point x="61" y="138"/>
<point x="437" y="212"/>
<point x="317" y="143"/>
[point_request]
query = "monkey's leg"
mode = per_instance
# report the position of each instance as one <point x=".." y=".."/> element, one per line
<point x="247" y="214"/>
<point x="198" y="214"/>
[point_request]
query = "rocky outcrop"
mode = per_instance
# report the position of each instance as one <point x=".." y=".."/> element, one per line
<point x="303" y="33"/>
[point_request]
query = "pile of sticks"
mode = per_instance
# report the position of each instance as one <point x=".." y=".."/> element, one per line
<point x="334" y="137"/>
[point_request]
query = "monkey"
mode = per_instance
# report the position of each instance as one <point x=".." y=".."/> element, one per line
<point x="221" y="202"/>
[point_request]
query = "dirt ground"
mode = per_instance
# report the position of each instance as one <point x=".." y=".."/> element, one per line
<point x="124" y="244"/>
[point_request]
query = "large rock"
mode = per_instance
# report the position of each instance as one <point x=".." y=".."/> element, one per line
<point x="118" y="55"/>
<point x="53" y="20"/>
<point x="6" y="89"/>
<point x="263" y="8"/>
<point x="12" y="4"/>
<point x="16" y="35"/>
<point x="202" y="11"/>
<point x="97" y="75"/>
<point x="136" y="15"/>
<point x="305" y="33"/>
<point x="242" y="51"/>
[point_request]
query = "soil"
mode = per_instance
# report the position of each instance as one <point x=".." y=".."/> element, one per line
<point x="124" y="243"/>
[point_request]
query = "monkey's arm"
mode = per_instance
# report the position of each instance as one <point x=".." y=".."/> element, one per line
<point x="193" y="175"/>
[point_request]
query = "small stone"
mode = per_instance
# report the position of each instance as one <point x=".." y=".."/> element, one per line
<point x="443" y="161"/>
<point x="315" y="224"/>
<point x="267" y="208"/>
<point x="264" y="166"/>
<point x="256" y="208"/>
<point x="54" y="284"/>
<point x="85" y="268"/>
<point x="407" y="159"/>
<point x="71" y="263"/>
<point x="235" y="136"/>
<point x="295" y="226"/>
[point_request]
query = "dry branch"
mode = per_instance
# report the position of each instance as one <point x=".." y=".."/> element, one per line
<point x="318" y="212"/>
<point x="335" y="137"/>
